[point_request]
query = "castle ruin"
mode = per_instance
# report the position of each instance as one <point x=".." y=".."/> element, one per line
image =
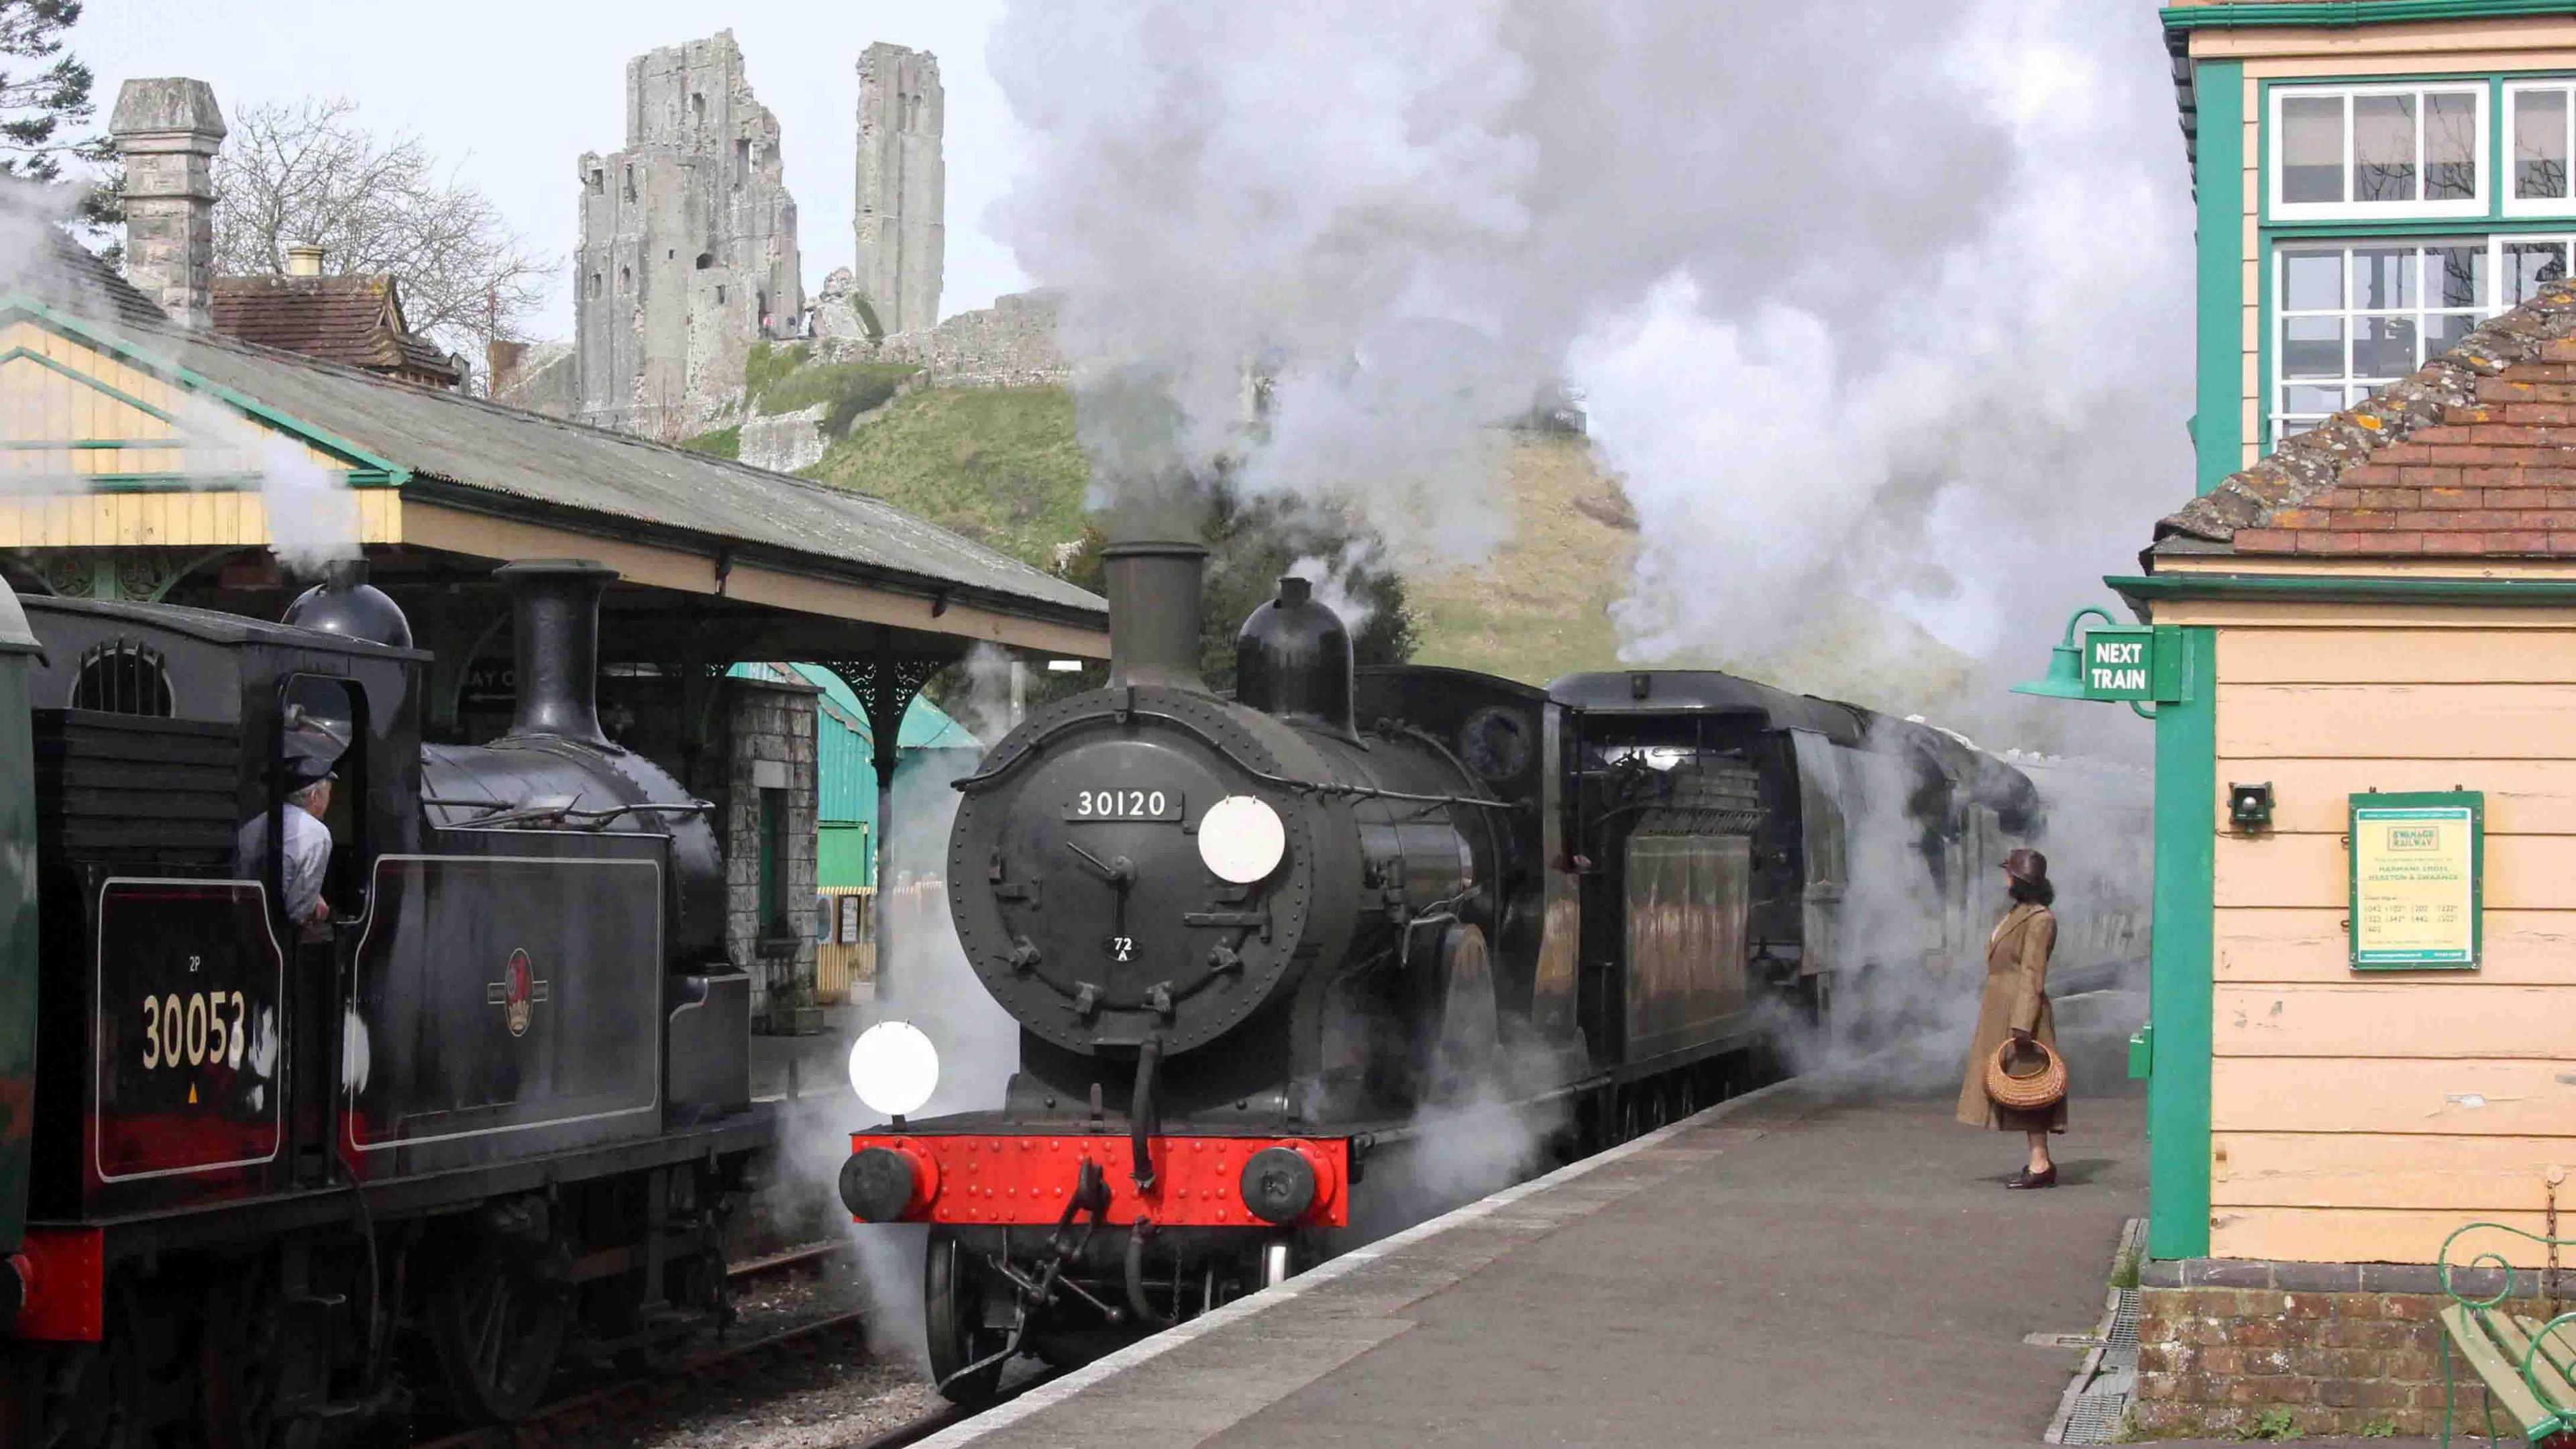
<point x="688" y="247"/>
<point x="902" y="188"/>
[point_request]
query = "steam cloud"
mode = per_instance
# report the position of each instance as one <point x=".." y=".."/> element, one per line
<point x="1835" y="281"/>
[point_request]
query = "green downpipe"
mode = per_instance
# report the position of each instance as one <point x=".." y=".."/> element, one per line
<point x="2180" y="980"/>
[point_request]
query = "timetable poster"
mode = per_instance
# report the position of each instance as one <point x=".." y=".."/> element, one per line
<point x="2416" y="880"/>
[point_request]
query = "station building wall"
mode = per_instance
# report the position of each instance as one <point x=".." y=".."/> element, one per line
<point x="2362" y="1116"/>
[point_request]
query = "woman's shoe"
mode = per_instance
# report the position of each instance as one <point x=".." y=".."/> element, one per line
<point x="2028" y="1178"/>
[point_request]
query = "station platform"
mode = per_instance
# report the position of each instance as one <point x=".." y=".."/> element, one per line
<point x="1823" y="1261"/>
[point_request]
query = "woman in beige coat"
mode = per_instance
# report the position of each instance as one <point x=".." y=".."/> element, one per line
<point x="2016" y="1005"/>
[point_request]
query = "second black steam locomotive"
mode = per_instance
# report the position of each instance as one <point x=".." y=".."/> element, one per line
<point x="491" y="1093"/>
<point x="1262" y="947"/>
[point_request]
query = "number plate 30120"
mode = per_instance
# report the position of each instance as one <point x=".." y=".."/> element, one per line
<point x="1124" y="804"/>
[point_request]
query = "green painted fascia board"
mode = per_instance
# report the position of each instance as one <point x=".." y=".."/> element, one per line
<point x="393" y="474"/>
<point x="2349" y="12"/>
<point x="2312" y="588"/>
<point x="2180" y="979"/>
<point x="2218" y="439"/>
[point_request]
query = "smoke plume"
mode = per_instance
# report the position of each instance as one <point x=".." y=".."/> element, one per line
<point x="1834" y="281"/>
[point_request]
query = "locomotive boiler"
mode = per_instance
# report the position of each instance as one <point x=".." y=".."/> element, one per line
<point x="1264" y="947"/>
<point x="491" y="1097"/>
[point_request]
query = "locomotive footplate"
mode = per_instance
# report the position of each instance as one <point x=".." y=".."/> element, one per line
<point x="969" y="1179"/>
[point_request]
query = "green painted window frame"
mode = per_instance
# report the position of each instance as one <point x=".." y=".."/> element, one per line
<point x="2431" y="803"/>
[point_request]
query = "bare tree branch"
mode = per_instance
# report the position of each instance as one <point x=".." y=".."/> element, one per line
<point x="307" y="173"/>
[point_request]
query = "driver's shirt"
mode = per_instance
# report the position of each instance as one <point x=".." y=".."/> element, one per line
<point x="308" y="856"/>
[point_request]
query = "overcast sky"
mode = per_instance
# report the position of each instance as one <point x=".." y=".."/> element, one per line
<point x="511" y="92"/>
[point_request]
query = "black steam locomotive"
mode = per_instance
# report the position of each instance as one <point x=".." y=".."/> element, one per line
<point x="491" y="1092"/>
<point x="1264" y="948"/>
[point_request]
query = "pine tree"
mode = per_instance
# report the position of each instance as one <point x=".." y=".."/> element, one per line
<point x="45" y="101"/>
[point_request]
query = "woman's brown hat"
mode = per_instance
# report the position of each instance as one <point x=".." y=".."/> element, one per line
<point x="2026" y="864"/>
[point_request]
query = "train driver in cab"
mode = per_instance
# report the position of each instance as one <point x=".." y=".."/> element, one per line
<point x="307" y="857"/>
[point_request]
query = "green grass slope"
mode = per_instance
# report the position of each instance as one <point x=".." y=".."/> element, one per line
<point x="999" y="465"/>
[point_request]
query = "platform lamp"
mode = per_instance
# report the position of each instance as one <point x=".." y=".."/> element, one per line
<point x="2065" y="677"/>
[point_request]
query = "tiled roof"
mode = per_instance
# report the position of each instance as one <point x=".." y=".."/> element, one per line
<point x="82" y="283"/>
<point x="2472" y="456"/>
<point x="352" y="319"/>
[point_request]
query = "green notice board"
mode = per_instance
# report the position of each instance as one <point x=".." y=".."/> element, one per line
<point x="2418" y="880"/>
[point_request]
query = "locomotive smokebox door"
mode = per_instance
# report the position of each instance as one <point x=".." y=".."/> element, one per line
<point x="1137" y="879"/>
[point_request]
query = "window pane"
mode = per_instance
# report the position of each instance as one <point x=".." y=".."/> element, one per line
<point x="2527" y="265"/>
<point x="2383" y="346"/>
<point x="2383" y="148"/>
<point x="2383" y="278"/>
<point x="2312" y="148"/>
<point x="2312" y="347"/>
<point x="2539" y="144"/>
<point x="2456" y="276"/>
<point x="2311" y="400"/>
<point x="2450" y="145"/>
<point x="2443" y="330"/>
<point x="2312" y="281"/>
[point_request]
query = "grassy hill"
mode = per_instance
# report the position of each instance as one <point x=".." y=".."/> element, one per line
<point x="999" y="465"/>
<point x="1002" y="466"/>
<point x="1539" y="606"/>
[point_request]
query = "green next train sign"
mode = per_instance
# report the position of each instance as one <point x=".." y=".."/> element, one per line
<point x="2119" y="663"/>
<point x="2133" y="663"/>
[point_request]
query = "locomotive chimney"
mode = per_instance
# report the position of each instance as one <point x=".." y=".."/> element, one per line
<point x="1154" y="613"/>
<point x="556" y="606"/>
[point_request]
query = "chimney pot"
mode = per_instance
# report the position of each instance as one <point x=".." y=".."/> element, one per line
<point x="304" y="261"/>
<point x="167" y="131"/>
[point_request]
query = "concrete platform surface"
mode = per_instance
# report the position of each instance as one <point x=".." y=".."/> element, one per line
<point x="1813" y="1263"/>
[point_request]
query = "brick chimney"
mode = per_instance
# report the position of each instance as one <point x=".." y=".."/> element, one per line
<point x="167" y="131"/>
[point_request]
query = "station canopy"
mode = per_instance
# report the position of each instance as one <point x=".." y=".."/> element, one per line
<point x="141" y="460"/>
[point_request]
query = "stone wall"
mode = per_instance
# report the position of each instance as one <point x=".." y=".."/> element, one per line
<point x="783" y="442"/>
<point x="1009" y="344"/>
<point x="2341" y="1348"/>
<point x="766" y="741"/>
<point x="539" y="377"/>
<point x="688" y="247"/>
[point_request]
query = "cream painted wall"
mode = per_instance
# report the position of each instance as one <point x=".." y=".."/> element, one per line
<point x="2361" y="1116"/>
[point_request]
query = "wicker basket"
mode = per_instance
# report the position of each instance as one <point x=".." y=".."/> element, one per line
<point x="2022" y="1086"/>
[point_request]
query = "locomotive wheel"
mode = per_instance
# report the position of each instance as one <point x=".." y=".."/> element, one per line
<point x="952" y="1314"/>
<point x="695" y="1284"/>
<point x="123" y="1393"/>
<point x="260" y="1356"/>
<point x="498" y="1328"/>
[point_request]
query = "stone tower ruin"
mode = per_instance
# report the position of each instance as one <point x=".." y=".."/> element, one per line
<point x="688" y="247"/>
<point x="903" y="187"/>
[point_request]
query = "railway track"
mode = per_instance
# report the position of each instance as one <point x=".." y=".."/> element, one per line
<point x="585" y="1417"/>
